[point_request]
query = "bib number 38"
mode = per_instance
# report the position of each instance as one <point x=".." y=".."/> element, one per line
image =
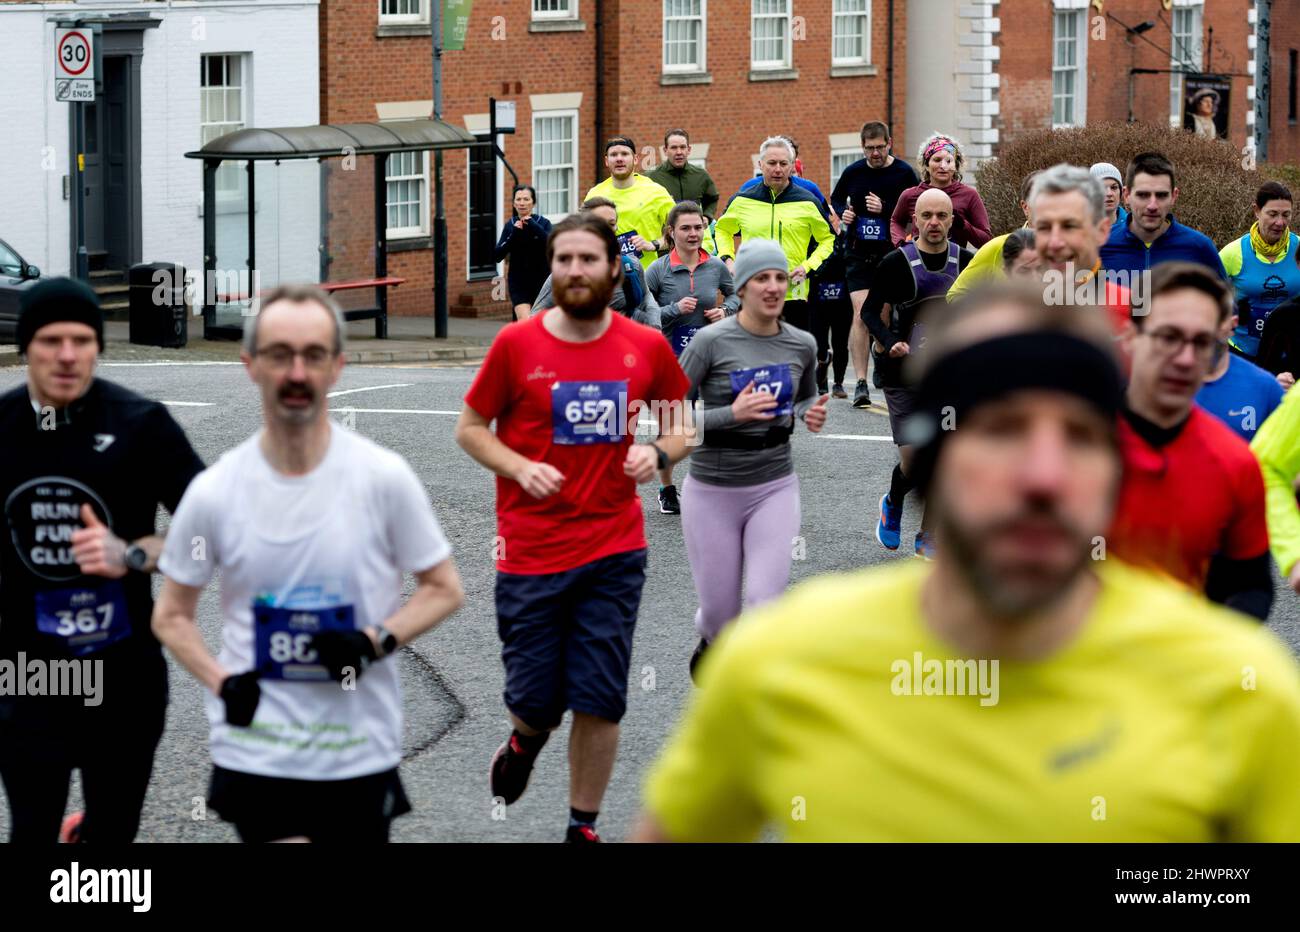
<point x="284" y="648"/>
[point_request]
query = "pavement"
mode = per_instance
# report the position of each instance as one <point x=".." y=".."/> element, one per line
<point x="452" y="676"/>
<point x="410" y="339"/>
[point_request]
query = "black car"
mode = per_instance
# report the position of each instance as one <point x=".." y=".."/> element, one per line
<point x="16" y="276"/>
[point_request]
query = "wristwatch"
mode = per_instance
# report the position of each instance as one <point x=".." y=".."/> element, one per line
<point x="387" y="640"/>
<point x="663" y="457"/>
<point x="136" y="558"/>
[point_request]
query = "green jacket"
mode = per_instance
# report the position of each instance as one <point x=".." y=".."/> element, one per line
<point x="691" y="183"/>
<point x="793" y="218"/>
<point x="1277" y="448"/>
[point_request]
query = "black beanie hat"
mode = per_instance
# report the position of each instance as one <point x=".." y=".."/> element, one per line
<point x="55" y="300"/>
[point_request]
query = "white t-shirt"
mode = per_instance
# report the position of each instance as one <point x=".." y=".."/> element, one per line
<point x="342" y="535"/>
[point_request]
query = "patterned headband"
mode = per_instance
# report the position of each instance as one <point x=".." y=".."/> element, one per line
<point x="942" y="142"/>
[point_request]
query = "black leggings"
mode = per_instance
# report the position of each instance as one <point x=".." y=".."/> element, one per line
<point x="38" y="755"/>
<point x="833" y="319"/>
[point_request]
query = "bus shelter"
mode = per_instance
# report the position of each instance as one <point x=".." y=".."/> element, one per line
<point x="313" y="210"/>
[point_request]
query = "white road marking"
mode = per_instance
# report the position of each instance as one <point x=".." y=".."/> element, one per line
<point x="179" y="362"/>
<point x="854" y="437"/>
<point x="190" y="404"/>
<point x="393" y="411"/>
<point x="368" y="388"/>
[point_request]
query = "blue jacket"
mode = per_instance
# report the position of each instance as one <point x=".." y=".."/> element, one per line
<point x="1124" y="251"/>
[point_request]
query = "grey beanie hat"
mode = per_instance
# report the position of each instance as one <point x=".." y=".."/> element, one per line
<point x="758" y="255"/>
<point x="1106" y="170"/>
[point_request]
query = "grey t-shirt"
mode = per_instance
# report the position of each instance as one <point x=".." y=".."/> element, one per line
<point x="712" y="356"/>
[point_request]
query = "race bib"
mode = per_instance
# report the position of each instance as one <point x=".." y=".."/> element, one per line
<point x="869" y="228"/>
<point x="682" y="336"/>
<point x="283" y="640"/>
<point x="85" y="618"/>
<point x="916" y="339"/>
<point x="625" y="246"/>
<point x="775" y="380"/>
<point x="587" y="412"/>
<point x="830" y="291"/>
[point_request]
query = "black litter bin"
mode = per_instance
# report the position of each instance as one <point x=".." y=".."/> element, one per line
<point x="159" y="314"/>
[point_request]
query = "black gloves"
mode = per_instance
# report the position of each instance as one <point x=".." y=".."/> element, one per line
<point x="241" y="694"/>
<point x="338" y="650"/>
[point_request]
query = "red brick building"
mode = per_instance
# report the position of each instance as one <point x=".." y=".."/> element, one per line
<point x="729" y="71"/>
<point x="1071" y="62"/>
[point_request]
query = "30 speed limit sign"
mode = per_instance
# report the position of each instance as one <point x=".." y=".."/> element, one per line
<point x="74" y="64"/>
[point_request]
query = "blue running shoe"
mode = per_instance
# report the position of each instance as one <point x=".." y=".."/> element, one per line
<point x="924" y="546"/>
<point x="889" y="527"/>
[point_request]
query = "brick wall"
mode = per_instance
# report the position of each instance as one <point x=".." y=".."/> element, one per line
<point x="1284" y="141"/>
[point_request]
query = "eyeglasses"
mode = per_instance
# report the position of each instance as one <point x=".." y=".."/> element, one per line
<point x="880" y="148"/>
<point x="282" y="357"/>
<point x="1170" y="342"/>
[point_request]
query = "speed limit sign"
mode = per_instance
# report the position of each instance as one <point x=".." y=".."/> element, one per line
<point x="74" y="64"/>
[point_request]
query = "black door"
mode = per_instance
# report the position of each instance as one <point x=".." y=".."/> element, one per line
<point x="482" y="211"/>
<point x="107" y="177"/>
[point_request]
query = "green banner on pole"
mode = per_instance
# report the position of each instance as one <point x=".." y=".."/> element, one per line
<point x="455" y="23"/>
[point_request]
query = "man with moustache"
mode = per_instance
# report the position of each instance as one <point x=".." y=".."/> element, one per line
<point x="86" y="463"/>
<point x="1102" y="681"/>
<point x="313" y="528"/>
<point x="564" y="390"/>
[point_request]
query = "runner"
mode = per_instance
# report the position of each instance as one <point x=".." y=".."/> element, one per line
<point x="989" y="263"/>
<point x="1192" y="502"/>
<point x="1112" y="186"/>
<point x="642" y="204"/>
<point x="1277" y="447"/>
<point x="905" y="280"/>
<point x="755" y="376"/>
<point x="682" y="180"/>
<point x="832" y="319"/>
<point x="632" y="298"/>
<point x="686" y="284"/>
<point x="523" y="243"/>
<point x="781" y="211"/>
<point x="797" y="179"/>
<point x="313" y="528"/>
<point x="1238" y="392"/>
<point x="86" y="464"/>
<point x="1262" y="266"/>
<point x="1116" y="710"/>
<point x="941" y="161"/>
<point x="1151" y="235"/>
<point x="864" y="197"/>
<point x="572" y="551"/>
<point x="1020" y="259"/>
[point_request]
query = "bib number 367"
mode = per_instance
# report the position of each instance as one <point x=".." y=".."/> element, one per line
<point x="86" y="619"/>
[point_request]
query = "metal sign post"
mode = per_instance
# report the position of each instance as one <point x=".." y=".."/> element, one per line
<point x="74" y="83"/>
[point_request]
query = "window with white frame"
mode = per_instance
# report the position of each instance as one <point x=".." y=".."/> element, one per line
<point x="851" y="32"/>
<point x="770" y="34"/>
<point x="555" y="9"/>
<point x="1186" y="55"/>
<point x="684" y="35"/>
<point x="840" y="160"/>
<point x="403" y="11"/>
<point x="555" y="162"/>
<point x="407" y="196"/>
<point x="1069" y="72"/>
<point x="221" y="111"/>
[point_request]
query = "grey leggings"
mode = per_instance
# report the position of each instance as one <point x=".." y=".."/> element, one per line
<point x="736" y="533"/>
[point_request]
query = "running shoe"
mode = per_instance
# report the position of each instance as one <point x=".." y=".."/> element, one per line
<point x="837" y="390"/>
<point x="821" y="374"/>
<point x="700" y="648"/>
<point x="861" y="395"/>
<point x="668" y="503"/>
<point x="511" y="769"/>
<point x="924" y="546"/>
<point x="581" y="835"/>
<point x="889" y="527"/>
<point x="70" y="831"/>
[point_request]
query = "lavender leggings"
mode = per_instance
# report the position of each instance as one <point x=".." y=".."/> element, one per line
<point x="735" y="530"/>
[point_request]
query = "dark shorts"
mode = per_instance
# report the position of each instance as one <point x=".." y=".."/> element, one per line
<point x="901" y="403"/>
<point x="271" y="808"/>
<point x="797" y="314"/>
<point x="859" y="272"/>
<point x="566" y="638"/>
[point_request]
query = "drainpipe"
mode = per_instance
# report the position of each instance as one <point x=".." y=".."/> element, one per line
<point x="889" y="71"/>
<point x="600" y="86"/>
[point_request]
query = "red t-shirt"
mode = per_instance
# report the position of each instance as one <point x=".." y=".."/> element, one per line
<point x="1183" y="503"/>
<point x="1120" y="304"/>
<point x="543" y="391"/>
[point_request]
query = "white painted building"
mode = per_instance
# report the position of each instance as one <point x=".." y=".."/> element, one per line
<point x="952" y="75"/>
<point x="174" y="74"/>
